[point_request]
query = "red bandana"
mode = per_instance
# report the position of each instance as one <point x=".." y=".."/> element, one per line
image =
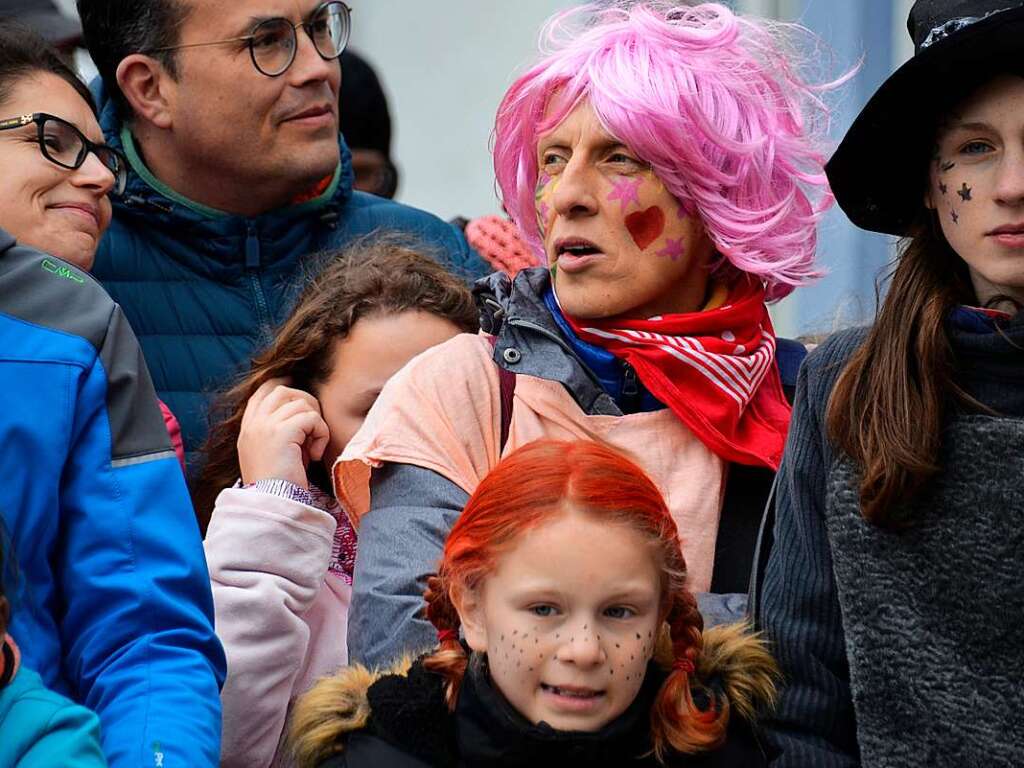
<point x="715" y="369"/>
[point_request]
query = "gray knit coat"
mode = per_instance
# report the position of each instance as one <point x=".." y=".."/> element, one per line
<point x="903" y="648"/>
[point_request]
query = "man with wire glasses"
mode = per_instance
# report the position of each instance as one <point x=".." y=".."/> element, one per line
<point x="227" y="113"/>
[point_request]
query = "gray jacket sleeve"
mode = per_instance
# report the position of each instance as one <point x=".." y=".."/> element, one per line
<point x="400" y="542"/>
<point x="799" y="610"/>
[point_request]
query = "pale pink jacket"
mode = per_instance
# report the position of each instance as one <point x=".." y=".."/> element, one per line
<point x="451" y="425"/>
<point x="281" y="614"/>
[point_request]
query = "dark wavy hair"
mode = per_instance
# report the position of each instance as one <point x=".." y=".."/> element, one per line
<point x="24" y="53"/>
<point x="114" y="29"/>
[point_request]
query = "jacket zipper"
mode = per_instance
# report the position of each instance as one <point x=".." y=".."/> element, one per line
<point x="252" y="267"/>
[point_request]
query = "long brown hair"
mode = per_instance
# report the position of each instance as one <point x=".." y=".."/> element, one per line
<point x="383" y="276"/>
<point x="887" y="408"/>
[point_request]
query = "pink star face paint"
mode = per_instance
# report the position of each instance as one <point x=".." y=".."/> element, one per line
<point x="977" y="186"/>
<point x="674" y="249"/>
<point x="622" y="243"/>
<point x="567" y="620"/>
<point x="625" y="190"/>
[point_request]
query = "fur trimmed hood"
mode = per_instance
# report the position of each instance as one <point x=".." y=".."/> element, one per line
<point x="735" y="663"/>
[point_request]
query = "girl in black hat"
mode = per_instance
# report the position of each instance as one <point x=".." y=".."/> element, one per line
<point x="893" y="590"/>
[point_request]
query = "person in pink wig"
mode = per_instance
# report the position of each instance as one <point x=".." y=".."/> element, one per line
<point x="665" y="163"/>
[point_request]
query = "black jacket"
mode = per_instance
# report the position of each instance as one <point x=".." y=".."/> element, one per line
<point x="409" y="725"/>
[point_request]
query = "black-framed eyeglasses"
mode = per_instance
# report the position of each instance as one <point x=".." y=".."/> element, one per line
<point x="63" y="144"/>
<point x="274" y="42"/>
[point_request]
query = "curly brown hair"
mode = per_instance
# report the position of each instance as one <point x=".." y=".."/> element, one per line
<point x="380" y="277"/>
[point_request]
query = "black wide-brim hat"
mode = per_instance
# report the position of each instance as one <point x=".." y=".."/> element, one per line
<point x="879" y="172"/>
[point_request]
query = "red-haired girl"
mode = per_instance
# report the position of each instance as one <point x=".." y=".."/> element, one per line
<point x="582" y="644"/>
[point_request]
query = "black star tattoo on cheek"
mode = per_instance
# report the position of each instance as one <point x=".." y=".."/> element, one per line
<point x="943" y="188"/>
<point x="964" y="192"/>
<point x="954" y="216"/>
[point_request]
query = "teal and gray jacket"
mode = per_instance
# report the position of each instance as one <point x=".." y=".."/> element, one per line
<point x="42" y="729"/>
<point x="113" y="607"/>
<point x="203" y="290"/>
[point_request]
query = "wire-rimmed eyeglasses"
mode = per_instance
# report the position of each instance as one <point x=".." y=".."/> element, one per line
<point x="274" y="42"/>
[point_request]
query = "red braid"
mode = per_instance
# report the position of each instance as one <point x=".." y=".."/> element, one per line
<point x="676" y="721"/>
<point x="449" y="660"/>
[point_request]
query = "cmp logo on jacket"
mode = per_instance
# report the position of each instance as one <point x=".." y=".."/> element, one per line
<point x="61" y="270"/>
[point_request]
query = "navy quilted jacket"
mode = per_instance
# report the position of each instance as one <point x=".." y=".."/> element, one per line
<point x="203" y="290"/>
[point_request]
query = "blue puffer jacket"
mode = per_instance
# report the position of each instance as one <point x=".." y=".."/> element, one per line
<point x="113" y="608"/>
<point x="203" y="290"/>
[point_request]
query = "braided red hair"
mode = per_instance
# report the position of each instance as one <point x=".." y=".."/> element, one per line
<point x="599" y="481"/>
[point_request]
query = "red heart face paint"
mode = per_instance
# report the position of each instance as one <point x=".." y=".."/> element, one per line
<point x="646" y="226"/>
<point x="622" y="242"/>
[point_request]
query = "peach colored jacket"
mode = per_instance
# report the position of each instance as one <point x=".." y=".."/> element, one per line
<point x="449" y="424"/>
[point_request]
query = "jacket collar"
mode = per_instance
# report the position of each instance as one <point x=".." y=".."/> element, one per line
<point x="406" y="706"/>
<point x="529" y="340"/>
<point x="488" y="730"/>
<point x="212" y="234"/>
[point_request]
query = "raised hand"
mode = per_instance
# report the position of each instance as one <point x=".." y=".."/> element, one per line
<point x="282" y="431"/>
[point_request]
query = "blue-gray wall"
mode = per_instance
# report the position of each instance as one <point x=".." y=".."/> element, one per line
<point x="874" y="32"/>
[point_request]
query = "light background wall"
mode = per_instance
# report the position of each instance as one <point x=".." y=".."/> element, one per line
<point x="445" y="66"/>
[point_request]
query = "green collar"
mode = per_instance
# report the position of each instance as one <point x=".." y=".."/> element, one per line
<point x="135" y="161"/>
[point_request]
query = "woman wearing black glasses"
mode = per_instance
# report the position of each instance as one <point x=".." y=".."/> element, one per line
<point x="114" y="608"/>
<point x="57" y="173"/>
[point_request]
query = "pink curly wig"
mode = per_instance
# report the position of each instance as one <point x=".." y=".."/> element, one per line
<point x="711" y="100"/>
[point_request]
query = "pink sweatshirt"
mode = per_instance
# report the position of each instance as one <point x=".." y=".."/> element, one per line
<point x="281" y="613"/>
<point x="174" y="430"/>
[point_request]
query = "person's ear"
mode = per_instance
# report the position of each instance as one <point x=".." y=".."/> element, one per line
<point x="148" y="88"/>
<point x="469" y="605"/>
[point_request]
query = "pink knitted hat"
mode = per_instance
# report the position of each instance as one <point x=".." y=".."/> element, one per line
<point x="497" y="241"/>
